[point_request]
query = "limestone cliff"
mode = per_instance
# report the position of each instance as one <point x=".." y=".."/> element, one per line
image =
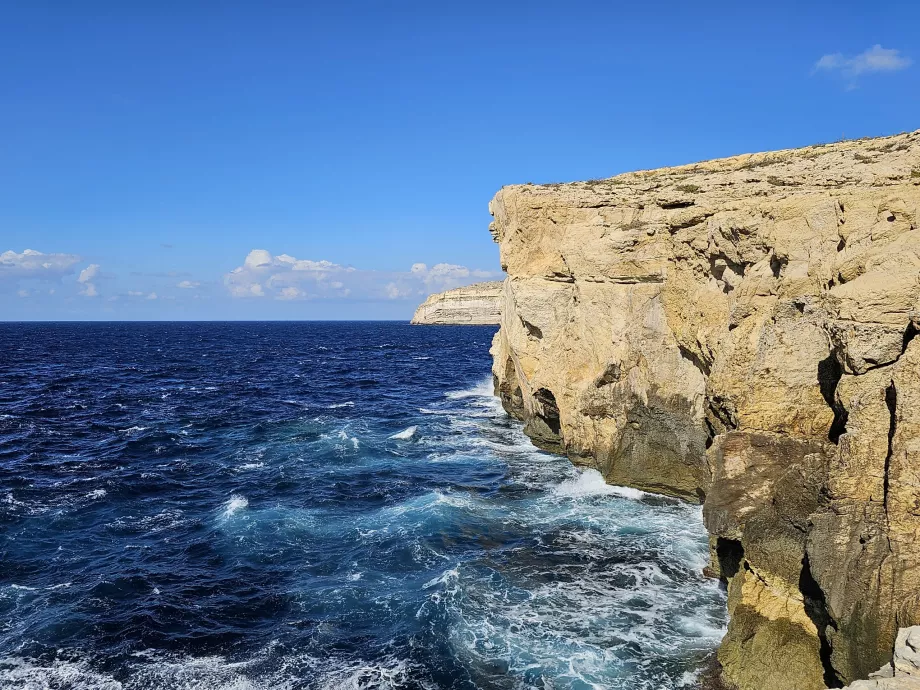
<point x="741" y="332"/>
<point x="476" y="304"/>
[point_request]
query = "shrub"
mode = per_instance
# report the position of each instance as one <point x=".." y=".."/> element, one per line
<point x="779" y="182"/>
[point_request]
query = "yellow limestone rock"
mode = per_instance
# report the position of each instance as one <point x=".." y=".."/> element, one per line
<point x="477" y="304"/>
<point x="741" y="332"/>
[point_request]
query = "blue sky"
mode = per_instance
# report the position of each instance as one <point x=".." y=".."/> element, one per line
<point x="201" y="160"/>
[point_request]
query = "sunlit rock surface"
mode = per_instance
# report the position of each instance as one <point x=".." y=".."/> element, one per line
<point x="741" y="332"/>
<point x="477" y="304"/>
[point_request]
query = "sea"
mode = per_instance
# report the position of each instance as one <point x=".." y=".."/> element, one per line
<point x="318" y="505"/>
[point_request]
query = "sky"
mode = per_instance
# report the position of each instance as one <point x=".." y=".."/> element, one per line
<point x="306" y="160"/>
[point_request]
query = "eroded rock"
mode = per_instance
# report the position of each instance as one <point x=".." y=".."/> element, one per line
<point x="477" y="304"/>
<point x="741" y="331"/>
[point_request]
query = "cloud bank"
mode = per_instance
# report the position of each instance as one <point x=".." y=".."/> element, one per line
<point x="31" y="264"/>
<point x="284" y="277"/>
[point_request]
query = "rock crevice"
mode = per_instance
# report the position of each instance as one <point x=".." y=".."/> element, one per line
<point x="740" y="332"/>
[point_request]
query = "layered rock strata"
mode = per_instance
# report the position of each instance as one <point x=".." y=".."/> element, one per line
<point x="477" y="304"/>
<point x="740" y="332"/>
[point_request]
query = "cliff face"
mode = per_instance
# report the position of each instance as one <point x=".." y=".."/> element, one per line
<point x="476" y="304"/>
<point x="741" y="332"/>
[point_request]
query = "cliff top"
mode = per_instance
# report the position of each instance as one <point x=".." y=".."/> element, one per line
<point x="870" y="162"/>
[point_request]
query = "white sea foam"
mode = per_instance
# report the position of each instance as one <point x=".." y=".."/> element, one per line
<point x="353" y="441"/>
<point x="483" y="389"/>
<point x="405" y="434"/>
<point x="591" y="483"/>
<point x="98" y="493"/>
<point x="131" y="430"/>
<point x="388" y="675"/>
<point x="234" y="505"/>
<point x="30" y="674"/>
<point x="428" y="410"/>
<point x="9" y="500"/>
<point x="447" y="578"/>
<point x="23" y="588"/>
<point x="336" y="406"/>
<point x="151" y="670"/>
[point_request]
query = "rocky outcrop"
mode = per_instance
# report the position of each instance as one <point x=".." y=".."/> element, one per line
<point x="477" y="304"/>
<point x="903" y="673"/>
<point x="741" y="332"/>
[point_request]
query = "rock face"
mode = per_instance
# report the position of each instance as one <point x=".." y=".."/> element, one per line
<point x="741" y="332"/>
<point x="476" y="304"/>
<point x="903" y="673"/>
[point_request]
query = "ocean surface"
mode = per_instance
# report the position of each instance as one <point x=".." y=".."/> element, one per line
<point x="317" y="505"/>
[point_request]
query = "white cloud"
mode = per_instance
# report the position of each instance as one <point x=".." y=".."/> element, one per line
<point x="291" y="293"/>
<point x="394" y="291"/>
<point x="135" y="293"/>
<point x="152" y="295"/>
<point x="875" y="59"/>
<point x="33" y="264"/>
<point x="87" y="287"/>
<point x="188" y="284"/>
<point x="285" y="277"/>
<point x="88" y="273"/>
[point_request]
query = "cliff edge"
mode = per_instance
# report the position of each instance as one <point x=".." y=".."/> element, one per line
<point x="477" y="304"/>
<point x="740" y="332"/>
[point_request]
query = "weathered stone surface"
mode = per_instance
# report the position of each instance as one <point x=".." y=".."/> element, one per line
<point x="477" y="304"/>
<point x="742" y="331"/>
<point x="903" y="673"/>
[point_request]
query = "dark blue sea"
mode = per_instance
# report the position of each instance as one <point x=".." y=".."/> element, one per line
<point x="245" y="506"/>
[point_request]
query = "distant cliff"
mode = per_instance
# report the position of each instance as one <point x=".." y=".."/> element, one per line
<point x="740" y="332"/>
<point x="476" y="304"/>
